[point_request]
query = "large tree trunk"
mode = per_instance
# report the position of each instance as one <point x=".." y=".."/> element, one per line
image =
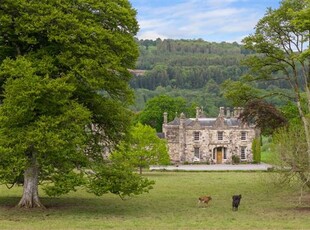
<point x="30" y="198"/>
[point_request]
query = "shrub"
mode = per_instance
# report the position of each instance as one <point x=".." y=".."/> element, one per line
<point x="235" y="159"/>
<point x="256" y="150"/>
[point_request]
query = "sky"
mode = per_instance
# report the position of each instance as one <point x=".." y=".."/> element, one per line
<point x="210" y="20"/>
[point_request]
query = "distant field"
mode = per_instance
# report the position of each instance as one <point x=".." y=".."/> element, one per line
<point x="172" y="204"/>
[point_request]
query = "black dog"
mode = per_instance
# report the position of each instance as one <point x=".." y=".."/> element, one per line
<point x="235" y="202"/>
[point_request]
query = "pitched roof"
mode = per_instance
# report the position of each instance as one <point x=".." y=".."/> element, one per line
<point x="206" y="121"/>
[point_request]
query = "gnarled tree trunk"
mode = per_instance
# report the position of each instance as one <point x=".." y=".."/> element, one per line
<point x="30" y="198"/>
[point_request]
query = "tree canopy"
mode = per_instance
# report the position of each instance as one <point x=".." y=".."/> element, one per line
<point x="281" y="41"/>
<point x="194" y="70"/>
<point x="153" y="114"/>
<point x="64" y="91"/>
<point x="187" y="64"/>
<point x="265" y="116"/>
<point x="143" y="148"/>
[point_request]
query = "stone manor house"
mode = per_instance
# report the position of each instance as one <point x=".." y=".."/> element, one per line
<point x="210" y="140"/>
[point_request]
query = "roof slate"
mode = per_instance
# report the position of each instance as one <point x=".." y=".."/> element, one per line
<point x="230" y="122"/>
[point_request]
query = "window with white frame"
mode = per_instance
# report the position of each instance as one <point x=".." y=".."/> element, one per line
<point x="220" y="135"/>
<point x="242" y="152"/>
<point x="196" y="136"/>
<point x="243" y="136"/>
<point x="196" y="152"/>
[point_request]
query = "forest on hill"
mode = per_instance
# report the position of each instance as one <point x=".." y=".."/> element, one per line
<point x="192" y="69"/>
<point x="187" y="64"/>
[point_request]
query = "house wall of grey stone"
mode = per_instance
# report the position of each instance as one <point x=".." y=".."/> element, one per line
<point x="180" y="135"/>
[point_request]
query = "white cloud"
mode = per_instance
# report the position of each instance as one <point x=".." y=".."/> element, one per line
<point x="198" y="19"/>
<point x="152" y="23"/>
<point x="153" y="35"/>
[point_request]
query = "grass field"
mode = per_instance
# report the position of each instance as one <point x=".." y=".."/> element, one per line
<point x="172" y="204"/>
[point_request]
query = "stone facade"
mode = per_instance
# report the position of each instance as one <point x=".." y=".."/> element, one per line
<point x="210" y="140"/>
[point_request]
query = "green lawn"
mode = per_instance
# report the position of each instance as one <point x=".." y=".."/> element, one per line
<point x="172" y="204"/>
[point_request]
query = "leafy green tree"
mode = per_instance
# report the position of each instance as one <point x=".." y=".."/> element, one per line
<point x="118" y="179"/>
<point x="281" y="41"/>
<point x="290" y="148"/>
<point x="63" y="66"/>
<point x="301" y="21"/>
<point x="290" y="111"/>
<point x="153" y="113"/>
<point x="238" y="93"/>
<point x="143" y="149"/>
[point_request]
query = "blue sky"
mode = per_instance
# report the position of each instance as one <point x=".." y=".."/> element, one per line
<point x="211" y="20"/>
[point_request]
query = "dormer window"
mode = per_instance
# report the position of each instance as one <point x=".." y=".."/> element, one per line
<point x="196" y="136"/>
<point x="220" y="135"/>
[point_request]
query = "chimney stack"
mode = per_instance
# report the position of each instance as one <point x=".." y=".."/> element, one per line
<point x="228" y="112"/>
<point x="197" y="112"/>
<point x="222" y="112"/>
<point x="165" y="117"/>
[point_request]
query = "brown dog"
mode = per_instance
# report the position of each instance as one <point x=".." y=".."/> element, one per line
<point x="204" y="200"/>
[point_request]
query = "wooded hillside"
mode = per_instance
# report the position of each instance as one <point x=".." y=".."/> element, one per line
<point x="192" y="69"/>
<point x="187" y="64"/>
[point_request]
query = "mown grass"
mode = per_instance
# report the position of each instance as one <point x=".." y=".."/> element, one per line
<point x="172" y="204"/>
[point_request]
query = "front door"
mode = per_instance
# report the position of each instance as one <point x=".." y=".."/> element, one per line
<point x="219" y="156"/>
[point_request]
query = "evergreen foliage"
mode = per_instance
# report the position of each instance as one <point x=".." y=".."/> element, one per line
<point x="256" y="150"/>
<point x="187" y="64"/>
<point x="199" y="71"/>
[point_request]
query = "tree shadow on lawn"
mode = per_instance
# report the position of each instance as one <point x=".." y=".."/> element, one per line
<point x="300" y="205"/>
<point x="109" y="206"/>
<point x="303" y="205"/>
<point x="302" y="209"/>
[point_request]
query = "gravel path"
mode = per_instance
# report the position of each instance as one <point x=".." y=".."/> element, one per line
<point x="215" y="167"/>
